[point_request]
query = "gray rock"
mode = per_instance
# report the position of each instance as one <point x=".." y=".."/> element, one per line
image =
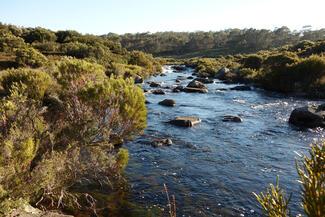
<point x="232" y="118"/>
<point x="168" y="102"/>
<point x="178" y="89"/>
<point x="308" y="116"/>
<point x="158" y="92"/>
<point x="196" y="84"/>
<point x="186" y="121"/>
<point x="179" y="67"/>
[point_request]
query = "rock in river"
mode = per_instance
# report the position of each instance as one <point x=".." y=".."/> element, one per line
<point x="186" y="121"/>
<point x="154" y="84"/>
<point x="241" y="88"/>
<point x="161" y="142"/>
<point x="195" y="87"/>
<point x="158" y="92"/>
<point x="179" y="67"/>
<point x="168" y="102"/>
<point x="232" y="118"/>
<point x="309" y="116"/>
<point x="204" y="80"/>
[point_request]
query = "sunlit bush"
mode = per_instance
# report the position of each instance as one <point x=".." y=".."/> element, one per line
<point x="35" y="80"/>
<point x="28" y="56"/>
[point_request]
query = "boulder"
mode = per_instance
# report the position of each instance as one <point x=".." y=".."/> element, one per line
<point x="196" y="84"/>
<point x="226" y="75"/>
<point x="309" y="116"/>
<point x="178" y="89"/>
<point x="195" y="87"/>
<point x="204" y="80"/>
<point x="232" y="118"/>
<point x="186" y="121"/>
<point x="179" y="67"/>
<point x="168" y="102"/>
<point x="138" y="79"/>
<point x="154" y="84"/>
<point x="177" y="81"/>
<point x="241" y="88"/>
<point x="190" y="77"/>
<point x="158" y="92"/>
<point x="161" y="142"/>
<point x="163" y="75"/>
<point x="195" y="90"/>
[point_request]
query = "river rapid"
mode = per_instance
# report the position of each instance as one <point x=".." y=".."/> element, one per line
<point x="213" y="167"/>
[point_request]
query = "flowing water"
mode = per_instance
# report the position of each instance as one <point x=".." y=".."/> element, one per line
<point x="213" y="168"/>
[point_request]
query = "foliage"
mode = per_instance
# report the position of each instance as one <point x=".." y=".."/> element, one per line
<point x="38" y="35"/>
<point x="37" y="82"/>
<point x="211" y="44"/>
<point x="28" y="56"/>
<point x="274" y="201"/>
<point x="69" y="69"/>
<point x="252" y="61"/>
<point x="312" y="178"/>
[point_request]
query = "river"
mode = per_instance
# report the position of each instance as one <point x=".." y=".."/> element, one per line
<point x="213" y="168"/>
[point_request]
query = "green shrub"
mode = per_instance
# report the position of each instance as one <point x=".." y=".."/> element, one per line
<point x="38" y="35"/>
<point x="28" y="56"/>
<point x="70" y="69"/>
<point x="252" y="61"/>
<point x="36" y="81"/>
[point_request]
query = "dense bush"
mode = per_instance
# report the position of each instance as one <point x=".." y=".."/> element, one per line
<point x="38" y="35"/>
<point x="36" y="81"/>
<point x="27" y="56"/>
<point x="47" y="151"/>
<point x="252" y="61"/>
<point x="70" y="69"/>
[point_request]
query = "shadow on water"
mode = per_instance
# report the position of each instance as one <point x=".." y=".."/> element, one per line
<point x="214" y="167"/>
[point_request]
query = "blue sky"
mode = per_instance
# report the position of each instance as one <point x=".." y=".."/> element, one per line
<point x="122" y="16"/>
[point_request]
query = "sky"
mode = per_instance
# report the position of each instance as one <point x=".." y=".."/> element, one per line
<point x="131" y="16"/>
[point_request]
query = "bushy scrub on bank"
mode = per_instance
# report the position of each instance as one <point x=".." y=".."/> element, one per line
<point x="299" y="68"/>
<point x="61" y="127"/>
<point x="65" y="110"/>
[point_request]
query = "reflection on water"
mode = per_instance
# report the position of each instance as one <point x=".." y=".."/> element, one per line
<point x="214" y="167"/>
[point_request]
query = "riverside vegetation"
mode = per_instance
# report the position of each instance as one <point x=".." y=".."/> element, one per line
<point x="68" y="102"/>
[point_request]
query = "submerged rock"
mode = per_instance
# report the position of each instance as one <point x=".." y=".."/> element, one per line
<point x="161" y="142"/>
<point x="186" y="121"/>
<point x="232" y="118"/>
<point x="308" y="116"/>
<point x="241" y="88"/>
<point x="195" y="90"/>
<point x="168" y="102"/>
